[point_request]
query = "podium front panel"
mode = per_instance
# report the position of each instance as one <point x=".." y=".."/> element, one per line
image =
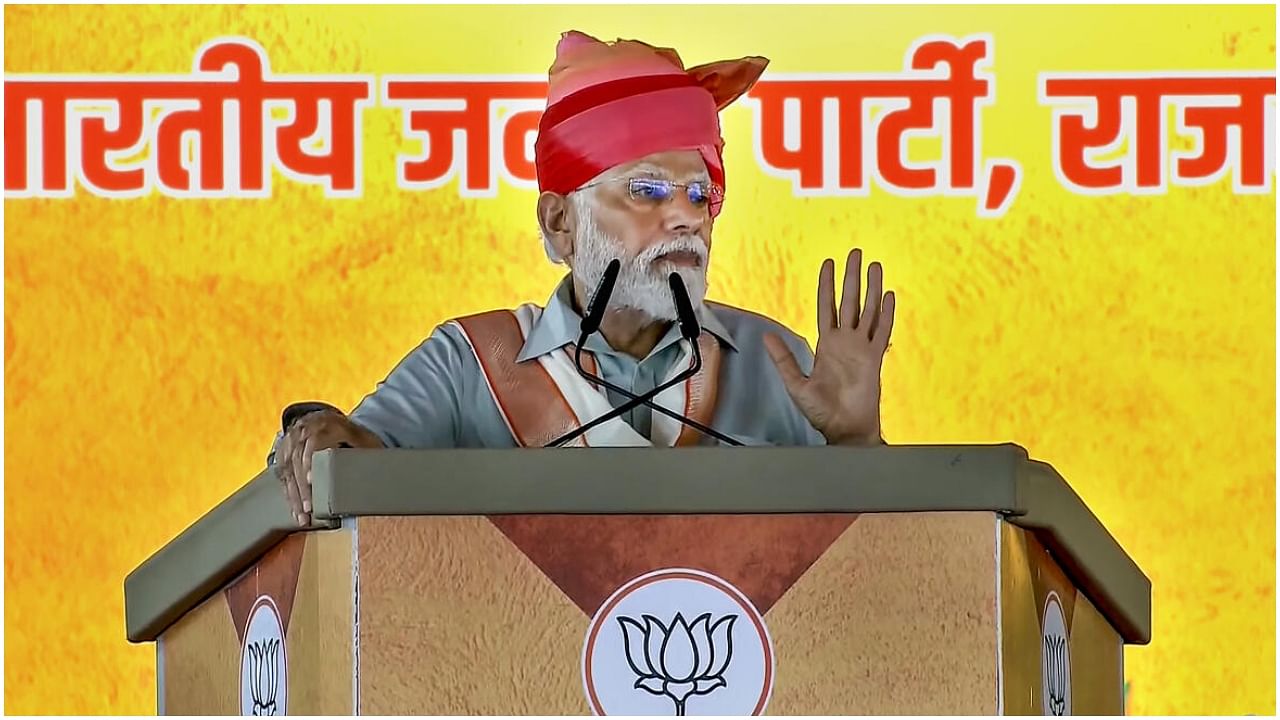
<point x="823" y="614"/>
<point x="688" y="614"/>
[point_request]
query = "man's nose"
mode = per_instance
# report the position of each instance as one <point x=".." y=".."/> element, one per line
<point x="682" y="217"/>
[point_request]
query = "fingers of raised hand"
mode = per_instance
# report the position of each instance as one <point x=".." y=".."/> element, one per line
<point x="865" y="315"/>
<point x="827" y="318"/>
<point x="849" y="295"/>
<point x="884" y="328"/>
<point x="854" y="313"/>
<point x="870" y="317"/>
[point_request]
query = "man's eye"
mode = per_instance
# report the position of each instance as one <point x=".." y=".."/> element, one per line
<point x="650" y="189"/>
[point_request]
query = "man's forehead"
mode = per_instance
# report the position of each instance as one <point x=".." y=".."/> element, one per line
<point x="678" y="165"/>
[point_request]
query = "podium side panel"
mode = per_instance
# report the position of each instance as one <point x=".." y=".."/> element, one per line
<point x="273" y="637"/>
<point x="321" y="653"/>
<point x="202" y="662"/>
<point x="455" y="620"/>
<point x="1097" y="663"/>
<point x="1040" y="609"/>
<point x="896" y="617"/>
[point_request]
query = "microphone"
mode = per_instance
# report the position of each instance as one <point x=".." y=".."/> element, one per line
<point x="689" y="329"/>
<point x="689" y="326"/>
<point x="594" y="315"/>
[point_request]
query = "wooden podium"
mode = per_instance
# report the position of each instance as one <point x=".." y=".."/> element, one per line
<point x="819" y="581"/>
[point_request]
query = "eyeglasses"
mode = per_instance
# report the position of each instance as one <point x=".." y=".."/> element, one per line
<point x="656" y="191"/>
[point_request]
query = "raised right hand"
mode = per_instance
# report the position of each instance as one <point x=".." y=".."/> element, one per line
<point x="313" y="432"/>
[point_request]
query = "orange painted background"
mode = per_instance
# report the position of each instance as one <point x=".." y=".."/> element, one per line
<point x="150" y="344"/>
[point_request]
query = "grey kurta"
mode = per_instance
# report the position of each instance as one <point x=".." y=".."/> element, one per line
<point x="436" y="397"/>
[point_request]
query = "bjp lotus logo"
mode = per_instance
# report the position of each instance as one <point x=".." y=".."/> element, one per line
<point x="643" y="656"/>
<point x="679" y="659"/>
<point x="263" y="665"/>
<point x="263" y="681"/>
<point x="1055" y="659"/>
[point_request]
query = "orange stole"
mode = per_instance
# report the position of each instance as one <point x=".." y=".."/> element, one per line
<point x="530" y="402"/>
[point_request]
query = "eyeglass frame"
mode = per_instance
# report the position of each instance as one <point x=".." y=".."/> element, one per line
<point x="715" y="194"/>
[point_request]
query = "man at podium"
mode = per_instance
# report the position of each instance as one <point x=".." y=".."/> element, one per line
<point x="631" y="179"/>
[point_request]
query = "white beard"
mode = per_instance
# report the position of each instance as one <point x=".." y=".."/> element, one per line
<point x="641" y="285"/>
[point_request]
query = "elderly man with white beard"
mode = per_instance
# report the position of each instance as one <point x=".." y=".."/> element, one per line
<point x="630" y="168"/>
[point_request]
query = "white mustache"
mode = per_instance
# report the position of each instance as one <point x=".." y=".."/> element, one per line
<point x="684" y="243"/>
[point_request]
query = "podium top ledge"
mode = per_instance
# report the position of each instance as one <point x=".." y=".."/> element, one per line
<point x="704" y="480"/>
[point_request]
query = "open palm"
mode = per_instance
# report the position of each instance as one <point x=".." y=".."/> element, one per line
<point x="841" y="397"/>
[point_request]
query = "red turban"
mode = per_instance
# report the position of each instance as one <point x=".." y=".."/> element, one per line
<point x="613" y="103"/>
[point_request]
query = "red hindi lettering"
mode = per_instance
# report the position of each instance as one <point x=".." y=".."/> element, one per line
<point x="829" y="152"/>
<point x="338" y="131"/>
<point x="205" y="122"/>
<point x="1078" y="138"/>
<point x="962" y="89"/>
<point x="808" y="158"/>
<point x="519" y="127"/>
<point x="440" y="109"/>
<point x="97" y="141"/>
<point x="193" y="114"/>
<point x="1099" y="113"/>
<point x="50" y="98"/>
<point x="1248" y="113"/>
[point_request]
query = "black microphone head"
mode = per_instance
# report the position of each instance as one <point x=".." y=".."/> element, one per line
<point x="689" y="326"/>
<point x="600" y="298"/>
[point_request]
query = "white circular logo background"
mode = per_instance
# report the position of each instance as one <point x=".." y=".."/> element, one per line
<point x="263" y="676"/>
<point x="677" y="642"/>
<point x="1055" y="660"/>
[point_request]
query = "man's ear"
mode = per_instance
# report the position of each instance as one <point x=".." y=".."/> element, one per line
<point x="557" y="226"/>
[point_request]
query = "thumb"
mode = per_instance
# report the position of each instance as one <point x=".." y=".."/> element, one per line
<point x="792" y="377"/>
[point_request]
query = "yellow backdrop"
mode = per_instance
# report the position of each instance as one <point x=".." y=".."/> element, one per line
<point x="150" y="344"/>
